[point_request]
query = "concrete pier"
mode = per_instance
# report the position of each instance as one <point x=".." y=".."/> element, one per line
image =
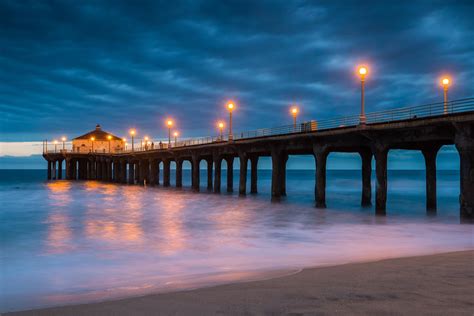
<point x="253" y="174"/>
<point x="230" y="174"/>
<point x="243" y="173"/>
<point x="366" y="157"/>
<point x="320" y="154"/>
<point x="371" y="141"/>
<point x="217" y="173"/>
<point x="429" y="155"/>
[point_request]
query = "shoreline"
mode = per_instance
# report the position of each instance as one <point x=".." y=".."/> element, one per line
<point x="413" y="284"/>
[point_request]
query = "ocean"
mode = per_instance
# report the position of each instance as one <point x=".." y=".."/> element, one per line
<point x="65" y="242"/>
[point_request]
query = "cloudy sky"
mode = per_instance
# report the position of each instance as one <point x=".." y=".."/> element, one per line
<point x="67" y="65"/>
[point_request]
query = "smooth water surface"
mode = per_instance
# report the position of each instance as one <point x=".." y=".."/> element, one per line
<point x="68" y="242"/>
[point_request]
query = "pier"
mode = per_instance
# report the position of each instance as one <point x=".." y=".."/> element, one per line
<point x="424" y="128"/>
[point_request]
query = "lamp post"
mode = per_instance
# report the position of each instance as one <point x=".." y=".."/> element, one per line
<point x="132" y="133"/>
<point x="92" y="144"/>
<point x="63" y="139"/>
<point x="363" y="71"/>
<point x="109" y="138"/>
<point x="230" y="107"/>
<point x="175" y="134"/>
<point x="445" y="83"/>
<point x="55" y="145"/>
<point x="170" y="124"/>
<point x="294" y="112"/>
<point x="221" y="129"/>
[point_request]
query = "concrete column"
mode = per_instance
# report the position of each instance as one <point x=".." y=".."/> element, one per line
<point x="104" y="170"/>
<point x="136" y="166"/>
<point x="153" y="166"/>
<point x="276" y="172"/>
<point x="179" y="173"/>
<point x="98" y="169"/>
<point x="209" y="174"/>
<point x="89" y="169"/>
<point x="217" y="173"/>
<point x="67" y="165"/>
<point x="131" y="172"/>
<point x="74" y="169"/>
<point x="230" y="174"/>
<point x="253" y="174"/>
<point x="123" y="171"/>
<point x="320" y="153"/>
<point x="141" y="171"/>
<point x="195" y="173"/>
<point x="109" y="169"/>
<point x="465" y="146"/>
<point x="158" y="172"/>
<point x="243" y="159"/>
<point x="381" y="153"/>
<point x="50" y="175"/>
<point x="60" y="169"/>
<point x="430" y="164"/>
<point x="366" y="157"/>
<point x="284" y="160"/>
<point x="54" y="169"/>
<point x="166" y="172"/>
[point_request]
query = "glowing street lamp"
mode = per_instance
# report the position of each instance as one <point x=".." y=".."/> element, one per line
<point x="63" y="139"/>
<point x="363" y="71"/>
<point x="175" y="134"/>
<point x="230" y="107"/>
<point x="55" y="142"/>
<point x="132" y="133"/>
<point x="445" y="82"/>
<point x="169" y="123"/>
<point x="220" y="125"/>
<point x="92" y="143"/>
<point x="144" y="141"/>
<point x="294" y="111"/>
<point x="109" y="137"/>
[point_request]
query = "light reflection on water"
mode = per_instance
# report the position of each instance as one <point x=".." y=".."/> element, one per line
<point x="69" y="242"/>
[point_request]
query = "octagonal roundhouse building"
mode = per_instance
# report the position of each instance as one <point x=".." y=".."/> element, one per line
<point x="98" y="141"/>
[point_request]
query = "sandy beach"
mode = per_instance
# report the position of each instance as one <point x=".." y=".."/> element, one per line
<point x="441" y="284"/>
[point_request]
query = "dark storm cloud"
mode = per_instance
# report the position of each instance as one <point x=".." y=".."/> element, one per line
<point x="67" y="65"/>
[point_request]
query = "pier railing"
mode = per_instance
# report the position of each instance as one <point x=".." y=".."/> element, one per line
<point x="387" y="116"/>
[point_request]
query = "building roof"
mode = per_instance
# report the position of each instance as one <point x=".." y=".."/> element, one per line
<point x="98" y="134"/>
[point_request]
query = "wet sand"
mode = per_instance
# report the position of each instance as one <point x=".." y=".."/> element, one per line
<point x="440" y="284"/>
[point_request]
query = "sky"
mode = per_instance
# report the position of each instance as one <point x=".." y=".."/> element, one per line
<point x="67" y="65"/>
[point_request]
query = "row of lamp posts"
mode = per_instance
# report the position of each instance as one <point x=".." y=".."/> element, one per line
<point x="362" y="71"/>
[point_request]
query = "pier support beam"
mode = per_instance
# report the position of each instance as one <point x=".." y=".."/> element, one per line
<point x="465" y="146"/>
<point x="380" y="152"/>
<point x="74" y="169"/>
<point x="209" y="174"/>
<point x="50" y="175"/>
<point x="54" y="170"/>
<point x="320" y="154"/>
<point x="131" y="172"/>
<point x="166" y="172"/>
<point x="217" y="173"/>
<point x="108" y="163"/>
<point x="195" y="173"/>
<point x="243" y="159"/>
<point x="253" y="174"/>
<point x="68" y="168"/>
<point x="366" y="157"/>
<point x="123" y="171"/>
<point x="430" y="163"/>
<point x="179" y="173"/>
<point x="153" y="171"/>
<point x="60" y="169"/>
<point x="230" y="174"/>
<point x="277" y="177"/>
